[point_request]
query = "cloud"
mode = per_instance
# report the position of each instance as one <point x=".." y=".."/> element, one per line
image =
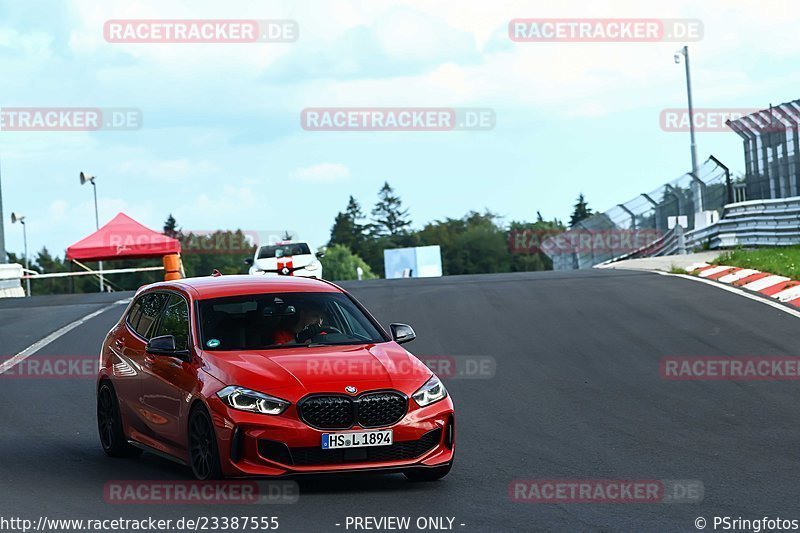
<point x="322" y="173"/>
<point x="401" y="41"/>
<point x="166" y="170"/>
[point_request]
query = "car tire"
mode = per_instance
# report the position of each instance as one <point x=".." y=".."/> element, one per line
<point x="109" y="424"/>
<point x="428" y="474"/>
<point x="203" y="450"/>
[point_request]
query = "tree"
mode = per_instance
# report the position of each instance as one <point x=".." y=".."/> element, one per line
<point x="221" y="250"/>
<point x="45" y="263"/>
<point x="171" y="227"/>
<point x="339" y="264"/>
<point x="525" y="240"/>
<point x="389" y="219"/>
<point x="581" y="211"/>
<point x="470" y="245"/>
<point x="347" y="230"/>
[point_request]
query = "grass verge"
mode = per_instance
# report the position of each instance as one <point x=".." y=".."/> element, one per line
<point x="781" y="261"/>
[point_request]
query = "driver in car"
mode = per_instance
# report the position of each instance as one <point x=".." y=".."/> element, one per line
<point x="307" y="325"/>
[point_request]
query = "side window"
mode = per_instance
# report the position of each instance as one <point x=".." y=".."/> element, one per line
<point x="150" y="307"/>
<point x="175" y="321"/>
<point x="136" y="313"/>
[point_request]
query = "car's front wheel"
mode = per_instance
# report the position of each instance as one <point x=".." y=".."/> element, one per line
<point x="203" y="451"/>
<point x="428" y="474"/>
<point x="109" y="424"/>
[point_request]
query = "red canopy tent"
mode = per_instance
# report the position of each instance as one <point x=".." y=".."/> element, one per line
<point x="123" y="238"/>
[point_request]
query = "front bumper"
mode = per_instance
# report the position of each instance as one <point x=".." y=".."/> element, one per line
<point x="262" y="445"/>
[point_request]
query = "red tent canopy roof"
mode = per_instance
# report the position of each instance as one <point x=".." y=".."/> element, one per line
<point x="123" y="238"/>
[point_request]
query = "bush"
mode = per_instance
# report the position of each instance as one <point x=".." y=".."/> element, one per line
<point x="340" y="264"/>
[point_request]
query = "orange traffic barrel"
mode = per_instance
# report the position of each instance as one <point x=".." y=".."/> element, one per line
<point x="172" y="267"/>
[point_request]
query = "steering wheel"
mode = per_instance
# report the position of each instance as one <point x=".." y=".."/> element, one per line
<point x="314" y="330"/>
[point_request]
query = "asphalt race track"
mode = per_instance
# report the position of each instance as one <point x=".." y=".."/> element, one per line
<point x="577" y="395"/>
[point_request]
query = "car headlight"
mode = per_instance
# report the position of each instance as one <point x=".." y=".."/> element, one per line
<point x="431" y="392"/>
<point x="312" y="266"/>
<point x="252" y="401"/>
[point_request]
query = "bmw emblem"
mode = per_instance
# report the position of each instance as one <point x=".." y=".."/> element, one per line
<point x="351" y="389"/>
<point x="285" y="271"/>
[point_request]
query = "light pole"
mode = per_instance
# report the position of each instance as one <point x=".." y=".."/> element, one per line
<point x="684" y="52"/>
<point x="2" y="229"/>
<point x="84" y="178"/>
<point x="16" y="217"/>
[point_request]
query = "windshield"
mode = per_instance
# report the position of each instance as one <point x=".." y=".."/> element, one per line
<point x="283" y="250"/>
<point x="262" y="321"/>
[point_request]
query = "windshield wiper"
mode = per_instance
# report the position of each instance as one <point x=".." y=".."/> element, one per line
<point x="316" y="344"/>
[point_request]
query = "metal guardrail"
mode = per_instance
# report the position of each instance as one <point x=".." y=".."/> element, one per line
<point x="689" y="200"/>
<point x="671" y="243"/>
<point x="752" y="223"/>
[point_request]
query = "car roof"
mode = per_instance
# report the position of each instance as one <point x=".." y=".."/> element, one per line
<point x="283" y="243"/>
<point x="206" y="287"/>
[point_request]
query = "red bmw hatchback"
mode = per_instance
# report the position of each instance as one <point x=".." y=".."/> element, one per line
<point x="254" y="376"/>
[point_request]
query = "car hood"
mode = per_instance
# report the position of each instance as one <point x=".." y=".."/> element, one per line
<point x="294" y="372"/>
<point x="292" y="261"/>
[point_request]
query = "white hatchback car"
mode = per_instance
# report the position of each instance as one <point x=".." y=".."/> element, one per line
<point x="287" y="258"/>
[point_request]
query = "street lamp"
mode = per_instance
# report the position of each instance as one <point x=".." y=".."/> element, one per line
<point x="3" y="259"/>
<point x="683" y="54"/>
<point x="16" y="217"/>
<point x="84" y="178"/>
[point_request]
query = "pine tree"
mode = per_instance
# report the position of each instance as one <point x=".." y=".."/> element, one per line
<point x="581" y="211"/>
<point x="388" y="216"/>
<point x="347" y="229"/>
<point x="171" y="227"/>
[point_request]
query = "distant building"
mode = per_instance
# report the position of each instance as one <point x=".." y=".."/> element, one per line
<point x="771" y="152"/>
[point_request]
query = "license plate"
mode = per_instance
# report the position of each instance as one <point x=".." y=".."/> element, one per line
<point x="356" y="439"/>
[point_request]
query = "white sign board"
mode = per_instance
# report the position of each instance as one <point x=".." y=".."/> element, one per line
<point x="419" y="262"/>
<point x="682" y="221"/>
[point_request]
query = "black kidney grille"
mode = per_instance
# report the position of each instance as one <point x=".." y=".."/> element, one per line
<point x="314" y="456"/>
<point x="328" y="412"/>
<point x="370" y="410"/>
<point x="381" y="409"/>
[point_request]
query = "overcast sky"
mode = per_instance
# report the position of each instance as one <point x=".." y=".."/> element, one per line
<point x="221" y="145"/>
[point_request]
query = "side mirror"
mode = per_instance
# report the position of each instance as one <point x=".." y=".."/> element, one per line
<point x="248" y="261"/>
<point x="165" y="345"/>
<point x="402" y="333"/>
<point x="320" y="255"/>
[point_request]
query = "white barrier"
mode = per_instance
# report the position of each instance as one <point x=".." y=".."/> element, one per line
<point x="10" y="286"/>
<point x="752" y="223"/>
